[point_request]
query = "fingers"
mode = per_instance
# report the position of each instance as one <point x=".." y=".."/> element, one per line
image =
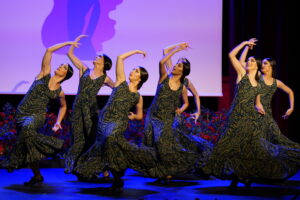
<point x="80" y="36"/>
<point x="142" y="52"/>
<point x="262" y="112"/>
<point x="131" y="115"/>
<point x="253" y="40"/>
<point x="286" y="115"/>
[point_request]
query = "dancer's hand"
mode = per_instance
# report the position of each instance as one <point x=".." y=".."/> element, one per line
<point x="56" y="127"/>
<point x="183" y="46"/>
<point x="131" y="116"/>
<point x="79" y="37"/>
<point x="260" y="109"/>
<point x="141" y="52"/>
<point x="195" y="116"/>
<point x="76" y="43"/>
<point x="251" y="43"/>
<point x="288" y="113"/>
<point x="178" y="111"/>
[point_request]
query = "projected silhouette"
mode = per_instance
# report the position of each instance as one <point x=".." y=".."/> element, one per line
<point x="70" y="18"/>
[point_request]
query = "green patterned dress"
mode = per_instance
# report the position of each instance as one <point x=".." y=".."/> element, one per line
<point x="172" y="157"/>
<point x="84" y="118"/>
<point x="189" y="141"/>
<point x="32" y="146"/>
<point x="285" y="154"/>
<point x="237" y="154"/>
<point x="112" y="150"/>
<point x="244" y="152"/>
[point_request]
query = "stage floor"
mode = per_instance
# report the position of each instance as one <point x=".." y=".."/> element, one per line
<point x="59" y="186"/>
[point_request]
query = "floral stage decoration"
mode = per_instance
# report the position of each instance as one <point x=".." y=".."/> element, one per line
<point x="209" y="126"/>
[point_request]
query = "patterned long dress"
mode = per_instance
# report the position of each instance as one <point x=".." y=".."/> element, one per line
<point x="285" y="153"/>
<point x="84" y="118"/>
<point x="172" y="157"/>
<point x="32" y="146"/>
<point x="112" y="150"/>
<point x="243" y="152"/>
<point x="189" y="141"/>
<point x="234" y="156"/>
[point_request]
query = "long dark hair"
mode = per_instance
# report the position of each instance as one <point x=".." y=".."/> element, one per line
<point x="186" y="69"/>
<point x="107" y="63"/>
<point x="273" y="65"/>
<point x="69" y="73"/>
<point x="143" y="76"/>
<point x="258" y="62"/>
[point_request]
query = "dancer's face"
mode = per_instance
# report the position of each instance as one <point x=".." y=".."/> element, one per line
<point x="178" y="68"/>
<point x="135" y="74"/>
<point x="62" y="70"/>
<point x="99" y="60"/>
<point x="251" y="64"/>
<point x="266" y="66"/>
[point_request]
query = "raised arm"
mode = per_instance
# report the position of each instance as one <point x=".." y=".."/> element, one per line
<point x="62" y="111"/>
<point x="162" y="69"/>
<point x="235" y="62"/>
<point x="138" y="115"/>
<point x="290" y="92"/>
<point x="193" y="90"/>
<point x="245" y="52"/>
<point x="46" y="63"/>
<point x="108" y="82"/>
<point x="75" y="60"/>
<point x="167" y="50"/>
<point x="185" y="101"/>
<point x="120" y="73"/>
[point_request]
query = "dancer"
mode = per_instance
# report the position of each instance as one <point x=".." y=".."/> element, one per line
<point x="236" y="156"/>
<point x="172" y="157"/>
<point x="112" y="151"/>
<point x="287" y="152"/>
<point x="187" y="83"/>
<point x="32" y="146"/>
<point x="85" y="107"/>
<point x="187" y="140"/>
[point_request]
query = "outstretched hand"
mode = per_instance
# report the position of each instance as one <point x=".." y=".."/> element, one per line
<point x="195" y="116"/>
<point x="76" y="43"/>
<point x="56" y="127"/>
<point x="251" y="42"/>
<point x="183" y="46"/>
<point x="141" y="52"/>
<point x="287" y="113"/>
<point x="79" y="37"/>
<point x="131" y="116"/>
<point x="260" y="109"/>
<point x="178" y="111"/>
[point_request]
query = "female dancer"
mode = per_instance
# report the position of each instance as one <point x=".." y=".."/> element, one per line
<point x="237" y="154"/>
<point x="112" y="151"/>
<point x="187" y="83"/>
<point x="286" y="161"/>
<point x="85" y="107"/>
<point x="32" y="146"/>
<point x="172" y="157"/>
<point x="287" y="157"/>
<point x="188" y="141"/>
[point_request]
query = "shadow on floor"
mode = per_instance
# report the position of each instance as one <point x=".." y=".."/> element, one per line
<point x="45" y="188"/>
<point x="173" y="184"/>
<point x="253" y="191"/>
<point x="128" y="192"/>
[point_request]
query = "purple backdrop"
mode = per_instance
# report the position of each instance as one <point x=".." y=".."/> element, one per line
<point x="114" y="27"/>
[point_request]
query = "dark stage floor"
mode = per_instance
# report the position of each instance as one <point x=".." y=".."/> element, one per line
<point x="59" y="186"/>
